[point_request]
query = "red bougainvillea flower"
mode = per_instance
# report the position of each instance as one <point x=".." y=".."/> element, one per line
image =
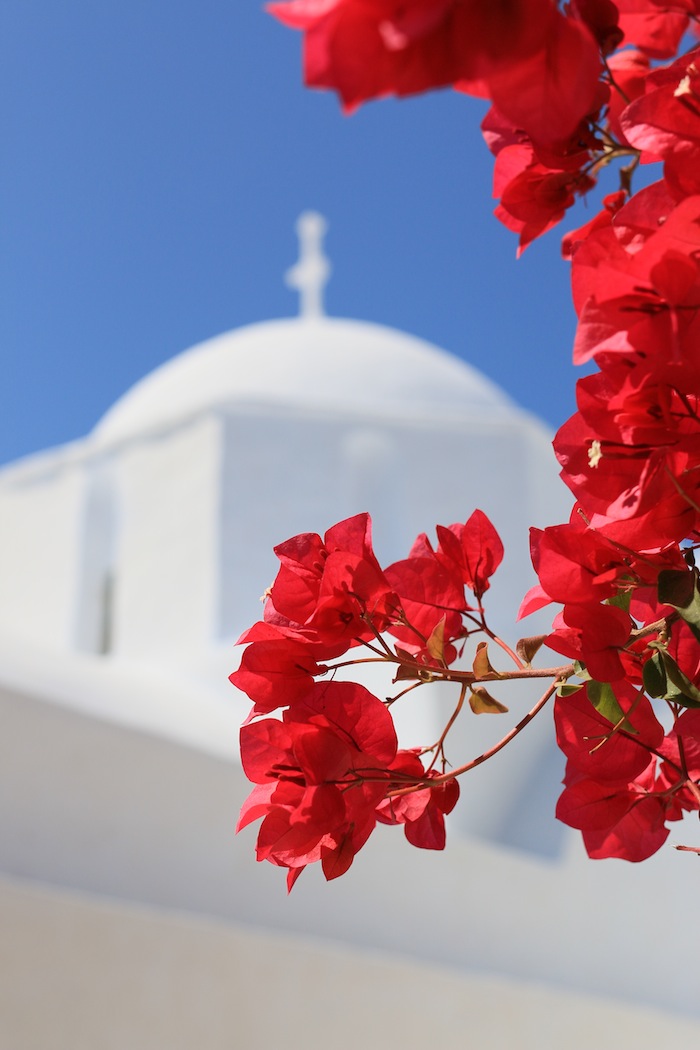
<point x="629" y="70"/>
<point x="623" y="482"/>
<point x="589" y="741"/>
<point x="611" y="205"/>
<point x="328" y="768"/>
<point x="368" y="48"/>
<point x="276" y="672"/>
<point x="635" y="295"/>
<point x="664" y="123"/>
<point x="614" y="793"/>
<point x="550" y="90"/>
<point x="602" y="18"/>
<point x="643" y="402"/>
<point x="610" y="775"/>
<point x="682" y="748"/>
<point x="683" y="647"/>
<point x="472" y="551"/>
<point x="539" y="66"/>
<point x="630" y="453"/>
<point x="578" y="565"/>
<point x="422" y="812"/>
<point x="595" y="635"/>
<point x="429" y="596"/>
<point x="538" y="180"/>
<point x="326" y="589"/>
<point x="537" y="198"/>
<point x="655" y="26"/>
<point x="321" y="773"/>
<point x="624" y="820"/>
<point x="430" y="583"/>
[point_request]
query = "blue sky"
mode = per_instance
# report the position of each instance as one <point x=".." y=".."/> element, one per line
<point x="156" y="156"/>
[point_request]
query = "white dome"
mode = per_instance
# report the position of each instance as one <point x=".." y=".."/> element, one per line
<point x="306" y="363"/>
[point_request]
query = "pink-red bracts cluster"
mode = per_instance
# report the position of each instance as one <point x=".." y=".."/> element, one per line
<point x="573" y="88"/>
<point x="330" y="768"/>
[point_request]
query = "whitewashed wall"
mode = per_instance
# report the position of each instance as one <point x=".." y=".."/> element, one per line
<point x="143" y="825"/>
<point x="41" y="508"/>
<point x="93" y="974"/>
<point x="167" y="564"/>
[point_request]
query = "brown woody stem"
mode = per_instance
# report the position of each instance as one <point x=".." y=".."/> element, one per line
<point x="562" y="675"/>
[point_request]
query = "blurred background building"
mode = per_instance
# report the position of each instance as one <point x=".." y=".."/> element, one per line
<point x="130" y="561"/>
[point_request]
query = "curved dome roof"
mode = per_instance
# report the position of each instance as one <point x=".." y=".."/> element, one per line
<point x="306" y="363"/>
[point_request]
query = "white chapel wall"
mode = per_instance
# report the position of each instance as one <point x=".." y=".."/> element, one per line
<point x="93" y="808"/>
<point x="41" y="506"/>
<point x="283" y="474"/>
<point x="167" y="569"/>
<point x="94" y="608"/>
<point x="115" y="976"/>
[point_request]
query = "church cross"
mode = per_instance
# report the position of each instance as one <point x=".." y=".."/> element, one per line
<point x="310" y="274"/>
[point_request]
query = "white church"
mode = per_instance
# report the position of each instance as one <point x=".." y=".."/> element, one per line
<point x="132" y="917"/>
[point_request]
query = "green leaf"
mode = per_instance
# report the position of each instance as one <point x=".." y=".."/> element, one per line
<point x="606" y="704"/>
<point x="680" y="589"/>
<point x="568" y="689"/>
<point x="682" y="690"/>
<point x="655" y="682"/>
<point x="676" y="587"/>
<point x="664" y="678"/>
<point x="621" y="600"/>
